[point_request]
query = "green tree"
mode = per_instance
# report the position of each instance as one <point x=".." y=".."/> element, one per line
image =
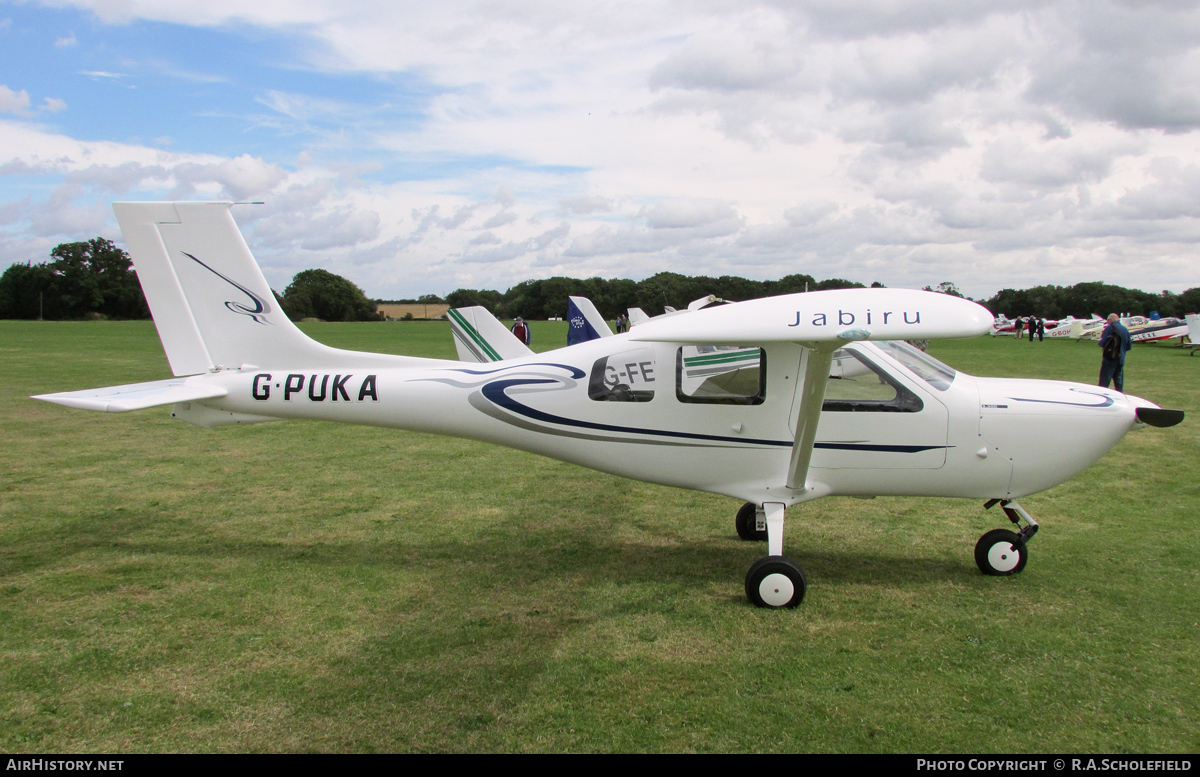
<point x="488" y="298"/>
<point x="84" y="279"/>
<point x="23" y="290"/>
<point x="329" y="297"/>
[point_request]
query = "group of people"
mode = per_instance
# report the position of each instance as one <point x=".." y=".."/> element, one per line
<point x="1035" y="326"/>
<point x="1115" y="340"/>
<point x="520" y="329"/>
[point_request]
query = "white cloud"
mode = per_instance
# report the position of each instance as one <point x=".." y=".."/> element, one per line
<point x="586" y="204"/>
<point x="500" y="219"/>
<point x="906" y="141"/>
<point x="13" y="102"/>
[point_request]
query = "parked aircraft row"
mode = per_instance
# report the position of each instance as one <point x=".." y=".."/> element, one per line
<point x="1141" y="328"/>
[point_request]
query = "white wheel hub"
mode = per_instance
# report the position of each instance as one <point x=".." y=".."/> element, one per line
<point x="776" y="589"/>
<point x="1003" y="557"/>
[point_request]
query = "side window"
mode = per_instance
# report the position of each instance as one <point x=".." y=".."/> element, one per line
<point x="628" y="376"/>
<point x="721" y="374"/>
<point x="856" y="385"/>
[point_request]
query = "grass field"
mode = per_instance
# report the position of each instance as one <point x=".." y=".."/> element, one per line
<point x="301" y="586"/>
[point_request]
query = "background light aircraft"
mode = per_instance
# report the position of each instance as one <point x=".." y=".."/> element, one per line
<point x="1142" y="329"/>
<point x="824" y="402"/>
<point x="1071" y="327"/>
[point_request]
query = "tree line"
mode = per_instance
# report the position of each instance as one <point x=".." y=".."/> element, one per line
<point x="95" y="279"/>
<point x="1084" y="299"/>
<point x="542" y="299"/>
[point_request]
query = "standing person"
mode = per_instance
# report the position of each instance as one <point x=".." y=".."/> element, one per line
<point x="1041" y="329"/>
<point x="1114" y="341"/>
<point x="1032" y="327"/>
<point x="1020" y="327"/>
<point x="521" y="330"/>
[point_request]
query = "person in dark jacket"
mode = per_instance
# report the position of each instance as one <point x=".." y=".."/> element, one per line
<point x="521" y="330"/>
<point x="1115" y="342"/>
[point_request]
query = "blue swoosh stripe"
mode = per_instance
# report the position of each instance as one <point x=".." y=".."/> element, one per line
<point x="852" y="446"/>
<point x="495" y="393"/>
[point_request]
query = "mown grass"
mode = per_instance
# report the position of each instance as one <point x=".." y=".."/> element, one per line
<point x="312" y="587"/>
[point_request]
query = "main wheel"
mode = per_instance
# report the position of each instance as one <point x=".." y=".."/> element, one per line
<point x="775" y="581"/>
<point x="1000" y="552"/>
<point x="746" y="522"/>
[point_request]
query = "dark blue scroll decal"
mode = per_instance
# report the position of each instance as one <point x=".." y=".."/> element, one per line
<point x="261" y="307"/>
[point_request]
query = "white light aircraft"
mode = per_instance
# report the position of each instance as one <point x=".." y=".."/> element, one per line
<point x="777" y="433"/>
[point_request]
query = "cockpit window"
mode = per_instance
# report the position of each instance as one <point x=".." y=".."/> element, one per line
<point x="924" y="366"/>
<point x="628" y="376"/>
<point x="857" y="385"/>
<point x="721" y="374"/>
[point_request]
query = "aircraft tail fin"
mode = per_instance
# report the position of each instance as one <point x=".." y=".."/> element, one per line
<point x="637" y="316"/>
<point x="211" y="304"/>
<point x="584" y="321"/>
<point x="481" y="337"/>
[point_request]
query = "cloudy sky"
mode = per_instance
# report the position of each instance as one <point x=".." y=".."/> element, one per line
<point x="423" y="147"/>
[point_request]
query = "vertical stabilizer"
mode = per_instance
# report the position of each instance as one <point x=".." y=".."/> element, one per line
<point x="481" y="337"/>
<point x="211" y="304"/>
<point x="584" y="321"/>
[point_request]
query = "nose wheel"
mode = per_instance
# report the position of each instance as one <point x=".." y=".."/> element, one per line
<point x="1001" y="552"/>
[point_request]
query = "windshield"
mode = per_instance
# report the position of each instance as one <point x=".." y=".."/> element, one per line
<point x="929" y="369"/>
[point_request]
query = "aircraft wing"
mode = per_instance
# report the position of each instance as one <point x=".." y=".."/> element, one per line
<point x="837" y="316"/>
<point x="135" y="396"/>
<point x="822" y="322"/>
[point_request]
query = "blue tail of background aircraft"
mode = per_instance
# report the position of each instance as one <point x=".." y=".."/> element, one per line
<point x="584" y="321"/>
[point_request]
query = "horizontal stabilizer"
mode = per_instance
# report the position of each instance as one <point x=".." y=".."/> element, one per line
<point x="841" y="315"/>
<point x="135" y="396"/>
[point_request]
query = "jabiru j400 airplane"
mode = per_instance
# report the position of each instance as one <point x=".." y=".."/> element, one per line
<point x="826" y="399"/>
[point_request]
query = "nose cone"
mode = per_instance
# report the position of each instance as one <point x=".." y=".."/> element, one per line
<point x="1051" y="430"/>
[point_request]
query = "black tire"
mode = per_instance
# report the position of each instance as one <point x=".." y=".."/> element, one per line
<point x="1000" y="553"/>
<point x="775" y="582"/>
<point x="746" y="523"/>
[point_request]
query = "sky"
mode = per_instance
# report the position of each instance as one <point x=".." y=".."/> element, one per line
<point x="423" y="147"/>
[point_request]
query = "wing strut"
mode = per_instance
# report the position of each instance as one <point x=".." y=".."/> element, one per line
<point x="817" y="362"/>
